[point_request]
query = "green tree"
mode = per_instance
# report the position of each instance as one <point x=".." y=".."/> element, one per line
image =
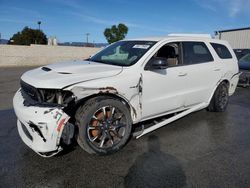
<point x="28" y="36"/>
<point x="115" y="33"/>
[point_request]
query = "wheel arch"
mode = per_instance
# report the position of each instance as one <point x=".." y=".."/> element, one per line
<point x="216" y="86"/>
<point x="226" y="81"/>
<point x="82" y="101"/>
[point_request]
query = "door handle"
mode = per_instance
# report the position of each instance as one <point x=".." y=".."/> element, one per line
<point x="182" y="74"/>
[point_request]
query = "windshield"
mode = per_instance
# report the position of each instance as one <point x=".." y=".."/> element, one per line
<point x="123" y="53"/>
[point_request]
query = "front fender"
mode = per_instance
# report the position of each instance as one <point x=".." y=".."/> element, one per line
<point x="132" y="99"/>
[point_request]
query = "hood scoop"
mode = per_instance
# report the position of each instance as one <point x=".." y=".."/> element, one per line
<point x="64" y="73"/>
<point x="46" y="69"/>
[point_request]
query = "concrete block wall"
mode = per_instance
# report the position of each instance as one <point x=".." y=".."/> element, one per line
<point x="35" y="55"/>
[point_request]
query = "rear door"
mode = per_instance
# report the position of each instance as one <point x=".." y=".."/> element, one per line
<point x="200" y="70"/>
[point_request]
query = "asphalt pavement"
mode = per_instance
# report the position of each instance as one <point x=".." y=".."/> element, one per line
<point x="200" y="150"/>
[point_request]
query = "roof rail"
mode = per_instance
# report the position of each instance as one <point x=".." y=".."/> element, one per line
<point x="189" y="35"/>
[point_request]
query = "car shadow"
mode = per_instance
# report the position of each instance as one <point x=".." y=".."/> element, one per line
<point x="155" y="169"/>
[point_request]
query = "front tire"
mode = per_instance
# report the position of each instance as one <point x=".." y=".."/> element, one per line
<point x="220" y="99"/>
<point x="104" y="125"/>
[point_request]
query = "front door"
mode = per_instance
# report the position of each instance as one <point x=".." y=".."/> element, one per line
<point x="164" y="89"/>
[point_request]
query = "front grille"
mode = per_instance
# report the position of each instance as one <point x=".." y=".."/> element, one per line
<point x="29" y="90"/>
<point x="26" y="132"/>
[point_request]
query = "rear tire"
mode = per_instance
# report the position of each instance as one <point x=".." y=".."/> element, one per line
<point x="220" y="98"/>
<point x="104" y="125"/>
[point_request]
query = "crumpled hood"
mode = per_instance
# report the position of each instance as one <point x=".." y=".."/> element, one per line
<point x="60" y="75"/>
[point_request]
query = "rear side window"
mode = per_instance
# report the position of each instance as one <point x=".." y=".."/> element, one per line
<point x="195" y="52"/>
<point x="222" y="51"/>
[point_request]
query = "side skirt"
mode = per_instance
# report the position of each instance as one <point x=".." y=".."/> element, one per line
<point x="171" y="119"/>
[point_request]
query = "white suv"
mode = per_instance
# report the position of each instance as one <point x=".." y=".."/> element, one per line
<point x="98" y="100"/>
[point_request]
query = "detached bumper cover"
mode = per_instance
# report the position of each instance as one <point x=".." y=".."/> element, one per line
<point x="39" y="127"/>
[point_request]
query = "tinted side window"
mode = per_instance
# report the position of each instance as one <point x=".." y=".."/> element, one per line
<point x="170" y="51"/>
<point x="222" y="51"/>
<point x="195" y="52"/>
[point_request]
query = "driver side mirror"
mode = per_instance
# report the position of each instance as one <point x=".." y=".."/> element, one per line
<point x="157" y="63"/>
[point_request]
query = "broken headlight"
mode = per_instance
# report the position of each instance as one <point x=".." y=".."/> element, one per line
<point x="55" y="96"/>
<point x="52" y="96"/>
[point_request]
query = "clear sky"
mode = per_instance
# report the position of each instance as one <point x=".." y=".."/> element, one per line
<point x="70" y="20"/>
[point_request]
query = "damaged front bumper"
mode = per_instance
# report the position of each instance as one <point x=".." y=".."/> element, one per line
<point x="40" y="127"/>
